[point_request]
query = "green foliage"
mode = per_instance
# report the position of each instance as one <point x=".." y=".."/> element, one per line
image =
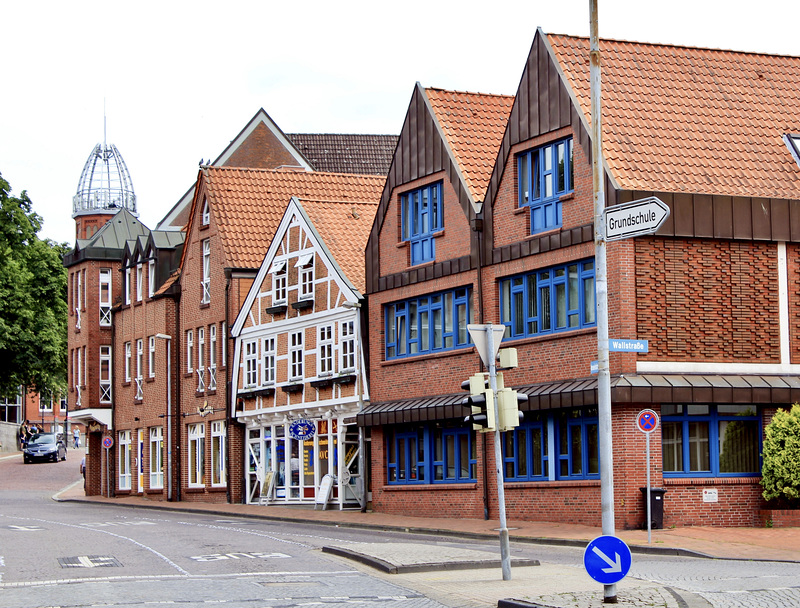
<point x="33" y="301"/>
<point x="781" y="470"/>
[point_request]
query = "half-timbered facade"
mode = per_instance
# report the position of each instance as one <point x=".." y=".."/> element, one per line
<point x="298" y="362"/>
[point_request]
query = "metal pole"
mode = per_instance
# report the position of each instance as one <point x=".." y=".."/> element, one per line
<point x="505" y="553"/>
<point x="648" y="489"/>
<point x="601" y="285"/>
<point x="169" y="418"/>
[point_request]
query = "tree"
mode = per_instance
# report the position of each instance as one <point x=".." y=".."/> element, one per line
<point x="33" y="301"/>
<point x="780" y="475"/>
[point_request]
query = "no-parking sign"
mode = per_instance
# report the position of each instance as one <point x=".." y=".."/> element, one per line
<point x="108" y="441"/>
<point x="647" y="421"/>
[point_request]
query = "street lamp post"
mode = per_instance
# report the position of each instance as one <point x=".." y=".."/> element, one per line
<point x="168" y="338"/>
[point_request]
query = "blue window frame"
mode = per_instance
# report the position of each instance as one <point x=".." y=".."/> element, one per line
<point x="428" y="324"/>
<point x="422" y="216"/>
<point x="525" y="450"/>
<point x="710" y="440"/>
<point x="430" y="455"/>
<point x="553" y="299"/>
<point x="560" y="445"/>
<point x="545" y="174"/>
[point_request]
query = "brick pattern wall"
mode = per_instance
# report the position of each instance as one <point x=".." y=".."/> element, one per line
<point x="706" y="300"/>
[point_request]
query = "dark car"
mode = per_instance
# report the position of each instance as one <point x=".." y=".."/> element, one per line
<point x="45" y="446"/>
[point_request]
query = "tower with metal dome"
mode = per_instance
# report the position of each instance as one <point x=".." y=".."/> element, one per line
<point x="104" y="188"/>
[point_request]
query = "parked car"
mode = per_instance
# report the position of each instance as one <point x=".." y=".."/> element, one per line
<point x="45" y="446"/>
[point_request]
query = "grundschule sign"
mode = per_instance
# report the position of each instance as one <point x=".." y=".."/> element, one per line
<point x="627" y="220"/>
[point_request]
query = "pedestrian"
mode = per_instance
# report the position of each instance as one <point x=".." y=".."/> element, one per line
<point x="76" y="434"/>
<point x="83" y="471"/>
<point x="23" y="435"/>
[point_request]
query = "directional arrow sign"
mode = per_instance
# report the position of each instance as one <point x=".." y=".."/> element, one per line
<point x="607" y="559"/>
<point x="627" y="220"/>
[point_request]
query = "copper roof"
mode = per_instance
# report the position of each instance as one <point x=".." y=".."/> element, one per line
<point x="473" y="125"/>
<point x="346" y="153"/>
<point x="691" y="120"/>
<point x="248" y="204"/>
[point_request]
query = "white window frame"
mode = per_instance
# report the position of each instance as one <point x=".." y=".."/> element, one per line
<point x="206" y="283"/>
<point x="156" y="458"/>
<point x="250" y="363"/>
<point x="201" y="364"/>
<point x="196" y="436"/>
<point x="151" y="278"/>
<point x="212" y="357"/>
<point x="78" y="300"/>
<point x="124" y="455"/>
<point x="206" y="217"/>
<point x="224" y="338"/>
<point x="325" y="338"/>
<point x="296" y="355"/>
<point x="45" y="405"/>
<point x="189" y="350"/>
<point x="139" y="272"/>
<point x="104" y="288"/>
<point x="151" y="357"/>
<point x="105" y="374"/>
<point x="219" y="473"/>
<point x="305" y="279"/>
<point x="127" y="285"/>
<point x="80" y="366"/>
<point x="269" y="356"/>
<point x="127" y="361"/>
<point x="279" y="273"/>
<point x="347" y="345"/>
<point x="139" y="367"/>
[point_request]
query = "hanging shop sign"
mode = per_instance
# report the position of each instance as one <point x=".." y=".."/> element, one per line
<point x="302" y="429"/>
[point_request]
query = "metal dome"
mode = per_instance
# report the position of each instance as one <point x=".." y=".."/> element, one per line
<point x="105" y="183"/>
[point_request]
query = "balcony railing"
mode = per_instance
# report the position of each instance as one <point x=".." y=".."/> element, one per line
<point x="212" y="378"/>
<point x="201" y="380"/>
<point x="139" y="392"/>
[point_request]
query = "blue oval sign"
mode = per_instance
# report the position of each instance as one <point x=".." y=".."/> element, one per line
<point x="302" y="429"/>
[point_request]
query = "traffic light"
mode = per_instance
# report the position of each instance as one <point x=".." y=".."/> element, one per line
<point x="481" y="402"/>
<point x="508" y="402"/>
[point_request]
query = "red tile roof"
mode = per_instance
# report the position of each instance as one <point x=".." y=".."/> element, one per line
<point x="473" y="125"/>
<point x="248" y="205"/>
<point x="344" y="228"/>
<point x="691" y="120"/>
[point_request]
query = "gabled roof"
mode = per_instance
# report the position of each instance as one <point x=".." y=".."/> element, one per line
<point x="260" y="144"/>
<point x="473" y="125"/>
<point x="347" y="153"/>
<point x="456" y="132"/>
<point x="248" y="204"/>
<point x="690" y="120"/>
<point x="110" y="240"/>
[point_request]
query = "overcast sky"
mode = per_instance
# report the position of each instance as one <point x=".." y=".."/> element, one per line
<point x="179" y="80"/>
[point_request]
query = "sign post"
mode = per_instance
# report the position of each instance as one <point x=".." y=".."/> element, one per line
<point x="647" y="422"/>
<point x="108" y="441"/>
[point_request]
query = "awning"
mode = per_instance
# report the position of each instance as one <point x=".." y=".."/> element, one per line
<point x="644" y="389"/>
<point x="277" y="266"/>
<point x="97" y="414"/>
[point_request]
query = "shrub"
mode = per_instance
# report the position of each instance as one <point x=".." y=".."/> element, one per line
<point x="781" y="469"/>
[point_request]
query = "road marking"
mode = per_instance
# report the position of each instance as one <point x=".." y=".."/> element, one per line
<point x="25" y="528"/>
<point x="215" y="557"/>
<point x="89" y="561"/>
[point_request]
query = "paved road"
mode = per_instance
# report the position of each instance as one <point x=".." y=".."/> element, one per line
<point x="76" y="554"/>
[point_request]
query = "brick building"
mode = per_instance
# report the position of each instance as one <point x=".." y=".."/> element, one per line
<point x="488" y="217"/>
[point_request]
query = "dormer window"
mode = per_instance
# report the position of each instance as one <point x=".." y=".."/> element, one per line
<point x="206" y="219"/>
<point x="793" y="143"/>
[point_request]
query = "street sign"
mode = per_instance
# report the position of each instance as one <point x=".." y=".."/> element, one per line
<point x="302" y="429"/>
<point x="647" y="421"/>
<point x="628" y="346"/>
<point x="481" y="341"/>
<point x="627" y="220"/>
<point x="607" y="559"/>
<point x="108" y="441"/>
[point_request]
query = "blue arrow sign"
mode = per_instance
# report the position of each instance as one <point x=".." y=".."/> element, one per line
<point x="607" y="559"/>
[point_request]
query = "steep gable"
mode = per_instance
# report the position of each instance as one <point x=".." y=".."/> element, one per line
<point x="455" y="132"/>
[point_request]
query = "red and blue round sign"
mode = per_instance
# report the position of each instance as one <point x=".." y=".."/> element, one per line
<point x="108" y="441"/>
<point x="647" y="421"/>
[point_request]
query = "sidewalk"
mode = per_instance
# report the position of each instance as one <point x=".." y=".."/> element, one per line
<point x="442" y="574"/>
